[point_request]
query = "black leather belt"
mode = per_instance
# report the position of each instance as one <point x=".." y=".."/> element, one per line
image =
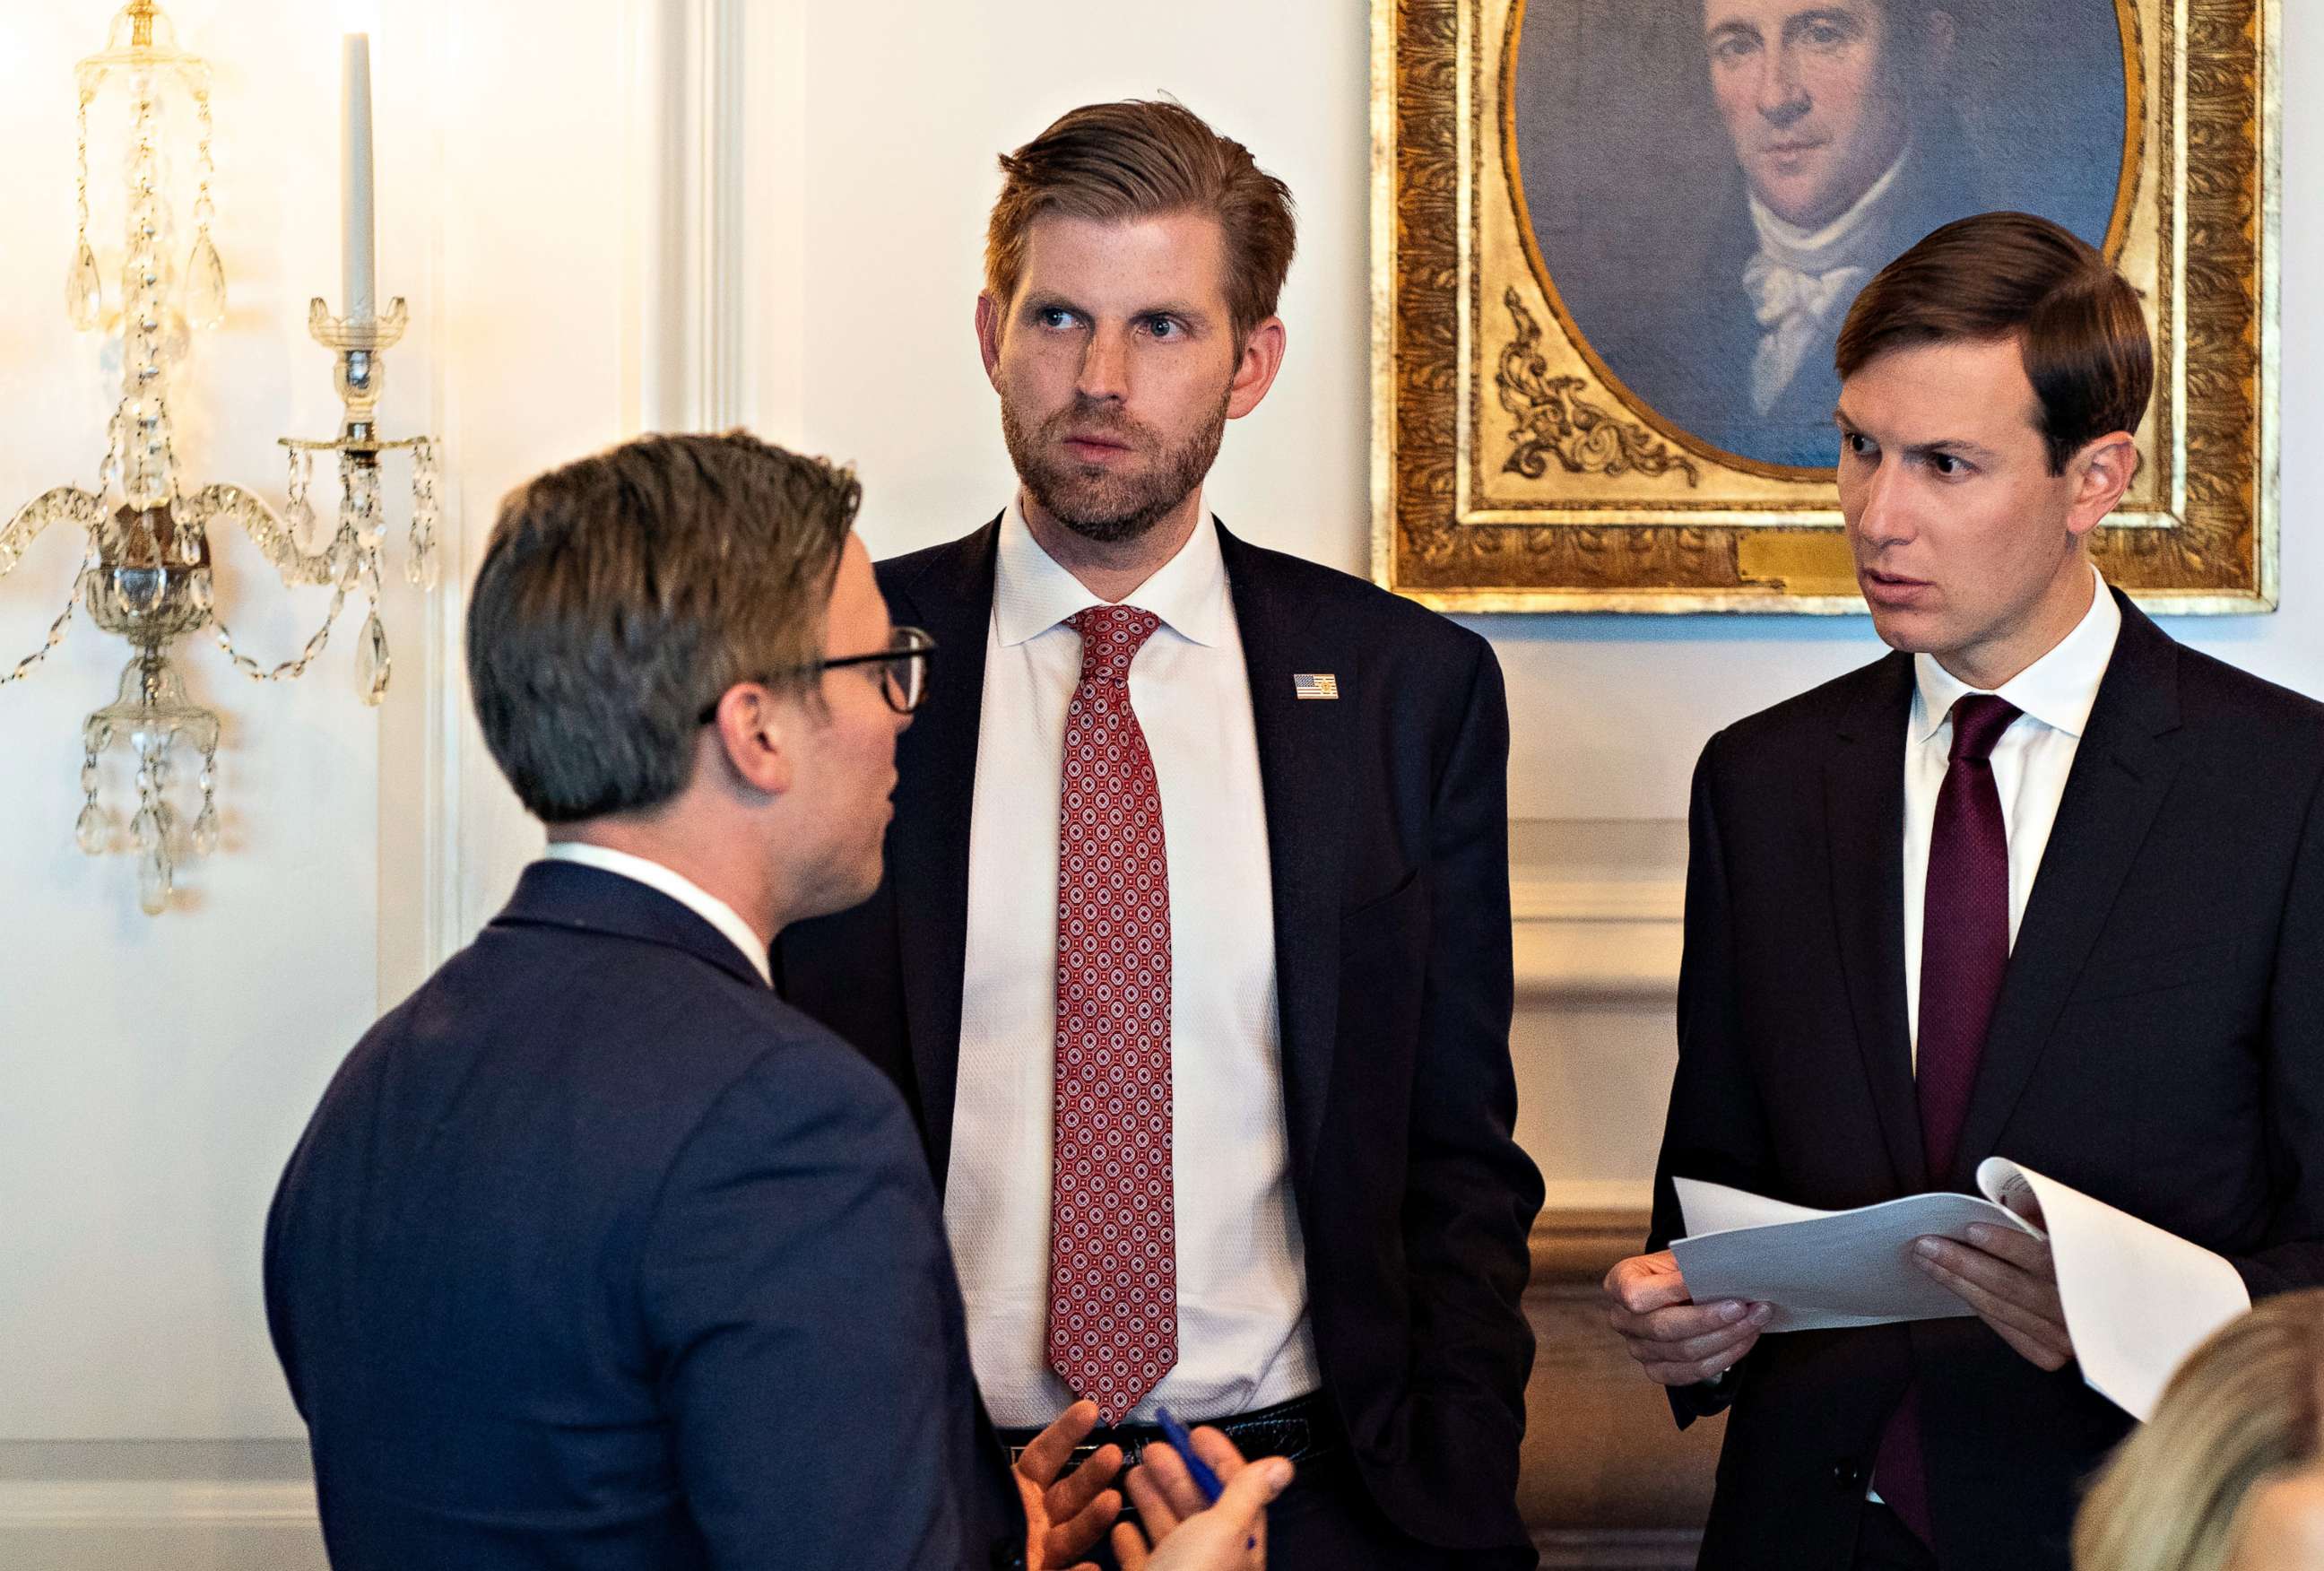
<point x="1303" y="1430"/>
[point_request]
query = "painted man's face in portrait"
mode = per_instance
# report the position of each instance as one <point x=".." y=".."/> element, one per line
<point x="1811" y="91"/>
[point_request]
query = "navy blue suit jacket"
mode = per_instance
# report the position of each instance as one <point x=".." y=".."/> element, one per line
<point x="596" y="1255"/>
<point x="1388" y="838"/>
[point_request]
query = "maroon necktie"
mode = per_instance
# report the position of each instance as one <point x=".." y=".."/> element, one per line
<point x="1964" y="950"/>
<point x="1113" y="1283"/>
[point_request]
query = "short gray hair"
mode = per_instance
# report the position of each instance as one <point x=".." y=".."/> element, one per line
<point x="621" y="596"/>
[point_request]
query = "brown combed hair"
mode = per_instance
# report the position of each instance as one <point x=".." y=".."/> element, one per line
<point x="623" y="594"/>
<point x="1139" y="159"/>
<point x="2078" y="322"/>
<point x="2247" y="1407"/>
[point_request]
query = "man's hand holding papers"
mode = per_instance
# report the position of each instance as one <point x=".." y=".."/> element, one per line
<point x="2029" y="1255"/>
<point x="2010" y="1280"/>
<point x="1675" y="1340"/>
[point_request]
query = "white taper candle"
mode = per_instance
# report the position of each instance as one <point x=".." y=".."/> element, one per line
<point x="357" y="259"/>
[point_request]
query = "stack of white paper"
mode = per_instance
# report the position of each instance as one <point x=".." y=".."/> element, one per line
<point x="2138" y="1299"/>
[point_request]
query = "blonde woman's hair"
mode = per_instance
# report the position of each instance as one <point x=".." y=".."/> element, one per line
<point x="2249" y="1404"/>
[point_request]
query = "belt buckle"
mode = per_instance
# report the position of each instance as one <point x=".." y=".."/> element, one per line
<point x="1079" y="1455"/>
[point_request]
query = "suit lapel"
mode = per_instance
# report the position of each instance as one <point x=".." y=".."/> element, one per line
<point x="1864" y="806"/>
<point x="1304" y="773"/>
<point x="2122" y="770"/>
<point x="950" y="596"/>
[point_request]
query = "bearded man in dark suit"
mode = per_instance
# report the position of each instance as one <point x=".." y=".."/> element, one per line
<point x="1195" y="955"/>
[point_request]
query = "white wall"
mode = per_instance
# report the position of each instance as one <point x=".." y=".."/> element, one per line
<point x="550" y="176"/>
<point x="153" y="1073"/>
<point x="149" y="1071"/>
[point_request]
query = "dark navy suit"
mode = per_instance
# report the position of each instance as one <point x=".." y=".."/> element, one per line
<point x="1387" y="841"/>
<point x="597" y="1255"/>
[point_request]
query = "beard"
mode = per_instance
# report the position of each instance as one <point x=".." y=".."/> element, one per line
<point x="1101" y="503"/>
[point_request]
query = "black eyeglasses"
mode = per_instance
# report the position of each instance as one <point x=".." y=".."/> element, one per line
<point x="903" y="670"/>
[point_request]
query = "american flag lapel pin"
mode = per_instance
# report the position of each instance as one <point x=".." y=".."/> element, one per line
<point x="1315" y="685"/>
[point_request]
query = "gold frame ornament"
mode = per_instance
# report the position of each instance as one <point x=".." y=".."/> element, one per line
<point x="1513" y="470"/>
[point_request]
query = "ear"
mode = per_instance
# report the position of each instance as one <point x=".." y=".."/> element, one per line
<point x="1262" y="358"/>
<point x="988" y="336"/>
<point x="749" y="740"/>
<point x="2100" y="472"/>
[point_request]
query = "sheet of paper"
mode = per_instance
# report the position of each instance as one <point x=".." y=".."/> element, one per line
<point x="1822" y="1269"/>
<point x="2138" y="1299"/>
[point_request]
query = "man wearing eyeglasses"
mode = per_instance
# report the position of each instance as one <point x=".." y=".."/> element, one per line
<point x="1194" y="956"/>
<point x="596" y="1254"/>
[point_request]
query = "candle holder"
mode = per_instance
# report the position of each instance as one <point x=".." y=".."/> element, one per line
<point x="146" y="574"/>
<point x="361" y="373"/>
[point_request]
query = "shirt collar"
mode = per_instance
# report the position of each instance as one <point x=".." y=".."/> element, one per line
<point x="2058" y="690"/>
<point x="1031" y="593"/>
<point x="677" y="886"/>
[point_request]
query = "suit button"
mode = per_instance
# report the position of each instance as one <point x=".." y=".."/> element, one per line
<point x="1848" y="1474"/>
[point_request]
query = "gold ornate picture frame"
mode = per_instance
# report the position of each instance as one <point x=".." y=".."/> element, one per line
<point x="1577" y="403"/>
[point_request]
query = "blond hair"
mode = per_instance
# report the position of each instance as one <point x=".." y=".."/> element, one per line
<point x="1137" y="159"/>
<point x="2246" y="1406"/>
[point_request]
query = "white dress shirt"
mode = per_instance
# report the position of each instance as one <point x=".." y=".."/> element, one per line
<point x="679" y="887"/>
<point x="1243" y="1338"/>
<point x="2030" y="764"/>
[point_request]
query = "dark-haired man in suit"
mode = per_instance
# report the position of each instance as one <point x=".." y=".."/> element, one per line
<point x="598" y="1255"/>
<point x="2042" y="884"/>
<point x="1194" y="958"/>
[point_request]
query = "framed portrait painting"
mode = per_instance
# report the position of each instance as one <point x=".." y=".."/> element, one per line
<point x="1615" y="240"/>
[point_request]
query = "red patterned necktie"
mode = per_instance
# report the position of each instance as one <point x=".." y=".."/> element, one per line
<point x="1113" y="1287"/>
<point x="1964" y="951"/>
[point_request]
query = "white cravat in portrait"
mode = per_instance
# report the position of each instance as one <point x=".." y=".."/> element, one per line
<point x="1801" y="281"/>
<point x="1243" y="1338"/>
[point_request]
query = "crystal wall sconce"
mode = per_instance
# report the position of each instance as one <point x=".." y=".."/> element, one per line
<point x="146" y="575"/>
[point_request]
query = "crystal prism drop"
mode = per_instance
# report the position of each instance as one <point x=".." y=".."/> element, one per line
<point x="154" y="881"/>
<point x="303" y="533"/>
<point x="205" y="832"/>
<point x="372" y="661"/>
<point x="204" y="284"/>
<point x="146" y="830"/>
<point x="84" y="300"/>
<point x="421" y="567"/>
<point x="93" y="831"/>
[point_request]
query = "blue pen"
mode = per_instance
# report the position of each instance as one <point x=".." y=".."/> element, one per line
<point x="1184" y="1444"/>
<point x="1196" y="1468"/>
